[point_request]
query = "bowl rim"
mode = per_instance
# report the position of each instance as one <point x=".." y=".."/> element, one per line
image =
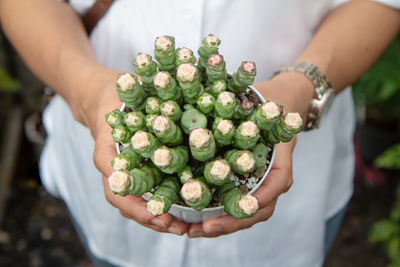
<point x="260" y="182"/>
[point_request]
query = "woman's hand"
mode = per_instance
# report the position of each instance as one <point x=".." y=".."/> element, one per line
<point x="294" y="91"/>
<point x="92" y="114"/>
<point x="279" y="181"/>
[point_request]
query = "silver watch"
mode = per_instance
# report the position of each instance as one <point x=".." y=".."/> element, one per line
<point x="323" y="97"/>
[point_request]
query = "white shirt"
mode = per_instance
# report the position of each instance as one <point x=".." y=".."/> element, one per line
<point x="271" y="33"/>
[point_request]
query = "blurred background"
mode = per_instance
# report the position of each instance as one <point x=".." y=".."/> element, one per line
<point x="35" y="229"/>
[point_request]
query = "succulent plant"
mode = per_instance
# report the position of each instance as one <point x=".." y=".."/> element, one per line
<point x="146" y="68"/>
<point x="163" y="197"/>
<point x="167" y="131"/>
<point x="224" y="131"/>
<point x="215" y="68"/>
<point x="170" y="160"/>
<point x="217" y="172"/>
<point x="192" y="120"/>
<point x="184" y="55"/>
<point x="130" y="91"/>
<point x="202" y="144"/>
<point x="196" y="193"/>
<point x="244" y="77"/>
<point x="164" y="53"/>
<point x="135" y="120"/>
<point x="115" y="118"/>
<point x="236" y="203"/>
<point x="126" y="160"/>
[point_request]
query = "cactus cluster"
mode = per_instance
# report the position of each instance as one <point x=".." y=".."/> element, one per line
<point x="188" y="126"/>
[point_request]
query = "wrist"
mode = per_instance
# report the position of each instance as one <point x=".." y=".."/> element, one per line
<point x="86" y="94"/>
<point x="293" y="90"/>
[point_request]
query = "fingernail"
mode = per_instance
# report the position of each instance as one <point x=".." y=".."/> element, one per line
<point x="196" y="234"/>
<point x="214" y="229"/>
<point x="174" y="230"/>
<point x="158" y="222"/>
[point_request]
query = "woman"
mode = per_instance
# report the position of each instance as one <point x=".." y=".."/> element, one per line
<point x="341" y="41"/>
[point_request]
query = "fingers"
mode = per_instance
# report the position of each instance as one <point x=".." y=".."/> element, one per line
<point x="280" y="178"/>
<point x="104" y="152"/>
<point x="279" y="181"/>
<point x="227" y="224"/>
<point x="134" y="208"/>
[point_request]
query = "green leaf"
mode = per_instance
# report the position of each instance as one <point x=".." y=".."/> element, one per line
<point x="389" y="159"/>
<point x="383" y="231"/>
<point x="395" y="262"/>
<point x="395" y="212"/>
<point x="7" y="83"/>
<point x="388" y="90"/>
<point x="392" y="248"/>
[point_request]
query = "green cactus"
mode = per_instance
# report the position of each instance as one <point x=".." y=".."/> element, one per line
<point x="146" y="68"/>
<point x="153" y="105"/>
<point x="165" y="86"/>
<point x="121" y="134"/>
<point x="225" y="105"/>
<point x="236" y="203"/>
<point x="244" y="77"/>
<point x="172" y="110"/>
<point x="218" y="87"/>
<point x="192" y="119"/>
<point x="261" y="152"/>
<point x="167" y="131"/>
<point x="268" y="115"/>
<point x="185" y="174"/>
<point x="127" y="160"/>
<point x="149" y="120"/>
<point x="142" y="183"/>
<point x="120" y="182"/>
<point x="209" y="45"/>
<point x="206" y="103"/>
<point x="135" y="121"/>
<point x="196" y="193"/>
<point x="170" y="160"/>
<point x="130" y="91"/>
<point x="115" y="118"/>
<point x="224" y="131"/>
<point x="202" y="144"/>
<point x="164" y="53"/>
<point x="163" y="197"/>
<point x="215" y="68"/>
<point x="188" y="77"/>
<point x="247" y="135"/>
<point x="184" y="55"/>
<point x="241" y="161"/>
<point x="217" y="172"/>
<point x="144" y="143"/>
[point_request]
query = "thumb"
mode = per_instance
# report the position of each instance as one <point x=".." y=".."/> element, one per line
<point x="104" y="152"/>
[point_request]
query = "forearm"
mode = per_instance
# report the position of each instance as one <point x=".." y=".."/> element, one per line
<point x="349" y="40"/>
<point x="51" y="39"/>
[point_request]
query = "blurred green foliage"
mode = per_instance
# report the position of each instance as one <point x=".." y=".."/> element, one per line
<point x="387" y="231"/>
<point x="379" y="88"/>
<point x="390" y="159"/>
<point x="7" y="83"/>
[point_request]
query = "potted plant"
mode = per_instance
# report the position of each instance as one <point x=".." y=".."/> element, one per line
<point x="191" y="139"/>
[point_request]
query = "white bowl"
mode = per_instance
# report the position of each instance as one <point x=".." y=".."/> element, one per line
<point x="190" y="215"/>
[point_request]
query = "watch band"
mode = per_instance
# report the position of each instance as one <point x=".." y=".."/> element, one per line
<point x="323" y="91"/>
<point x="312" y="72"/>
